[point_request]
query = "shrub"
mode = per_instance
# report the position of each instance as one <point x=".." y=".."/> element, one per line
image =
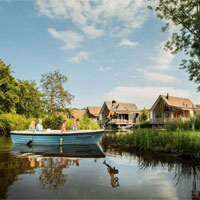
<point x="10" y="122"/>
<point x="53" y="122"/>
<point x="143" y="125"/>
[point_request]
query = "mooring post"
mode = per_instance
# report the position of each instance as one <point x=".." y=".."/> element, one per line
<point x="61" y="140"/>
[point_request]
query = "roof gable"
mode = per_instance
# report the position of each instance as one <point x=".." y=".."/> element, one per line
<point x="178" y="102"/>
<point x="173" y="101"/>
<point x="94" y="110"/>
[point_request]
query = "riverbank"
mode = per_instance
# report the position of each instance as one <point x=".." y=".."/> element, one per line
<point x="183" y="143"/>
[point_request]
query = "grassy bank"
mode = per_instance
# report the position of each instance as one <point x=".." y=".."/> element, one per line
<point x="183" y="142"/>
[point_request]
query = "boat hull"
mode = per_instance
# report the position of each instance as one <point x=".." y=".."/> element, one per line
<point x="78" y="137"/>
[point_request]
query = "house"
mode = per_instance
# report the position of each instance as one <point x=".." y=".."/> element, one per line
<point x="198" y="109"/>
<point x="93" y="112"/>
<point x="128" y="114"/>
<point x="77" y="113"/>
<point x="169" y="107"/>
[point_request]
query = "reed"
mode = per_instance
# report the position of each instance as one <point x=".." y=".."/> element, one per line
<point x="183" y="142"/>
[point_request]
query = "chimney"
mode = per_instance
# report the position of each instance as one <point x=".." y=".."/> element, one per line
<point x="167" y="97"/>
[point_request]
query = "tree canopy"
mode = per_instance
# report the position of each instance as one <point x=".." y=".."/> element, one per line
<point x="30" y="103"/>
<point x="24" y="97"/>
<point x="54" y="94"/>
<point x="185" y="15"/>
<point x="8" y="90"/>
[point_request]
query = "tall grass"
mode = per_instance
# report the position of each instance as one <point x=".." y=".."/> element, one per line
<point x="179" y="125"/>
<point x="184" y="142"/>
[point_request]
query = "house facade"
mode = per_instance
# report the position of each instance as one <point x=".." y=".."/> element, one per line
<point x="128" y="114"/>
<point x="168" y="108"/>
<point x="93" y="112"/>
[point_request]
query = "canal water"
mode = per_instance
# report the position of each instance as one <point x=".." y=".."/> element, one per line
<point x="80" y="172"/>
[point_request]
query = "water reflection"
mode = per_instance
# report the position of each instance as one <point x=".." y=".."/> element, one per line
<point x="83" y="172"/>
<point x="114" y="181"/>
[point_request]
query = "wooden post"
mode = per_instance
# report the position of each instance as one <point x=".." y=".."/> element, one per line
<point x="162" y="111"/>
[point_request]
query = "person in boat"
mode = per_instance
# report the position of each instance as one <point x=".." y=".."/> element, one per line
<point x="39" y="126"/>
<point x="63" y="127"/>
<point x="112" y="113"/>
<point x="32" y="126"/>
<point x="75" y="125"/>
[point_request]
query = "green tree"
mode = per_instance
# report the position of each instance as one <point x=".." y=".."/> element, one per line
<point x="185" y="14"/>
<point x="8" y="89"/>
<point x="145" y="115"/>
<point x="56" y="97"/>
<point x="30" y="103"/>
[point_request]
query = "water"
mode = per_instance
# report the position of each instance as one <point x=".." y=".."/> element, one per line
<point x="120" y="174"/>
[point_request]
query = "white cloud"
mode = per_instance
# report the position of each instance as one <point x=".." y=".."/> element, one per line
<point x="95" y="18"/>
<point x="101" y="69"/>
<point x="143" y="96"/>
<point x="128" y="43"/>
<point x="78" y="57"/>
<point x="157" y="76"/>
<point x="70" y="38"/>
<point x="164" y="59"/>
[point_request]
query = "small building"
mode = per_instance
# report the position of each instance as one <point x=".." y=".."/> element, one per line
<point x="128" y="114"/>
<point x="76" y="113"/>
<point x="93" y="112"/>
<point x="168" y="108"/>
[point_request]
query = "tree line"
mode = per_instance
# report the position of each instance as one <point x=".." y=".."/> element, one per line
<point x="25" y="98"/>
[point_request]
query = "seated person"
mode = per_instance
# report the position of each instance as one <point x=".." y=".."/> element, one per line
<point x="39" y="126"/>
<point x="32" y="126"/>
<point x="75" y="125"/>
<point x="63" y="127"/>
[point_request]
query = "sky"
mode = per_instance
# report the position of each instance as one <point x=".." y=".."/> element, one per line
<point x="108" y="49"/>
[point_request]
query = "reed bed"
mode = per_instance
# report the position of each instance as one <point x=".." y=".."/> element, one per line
<point x="183" y="142"/>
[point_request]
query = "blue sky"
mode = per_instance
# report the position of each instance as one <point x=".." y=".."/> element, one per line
<point x="108" y="49"/>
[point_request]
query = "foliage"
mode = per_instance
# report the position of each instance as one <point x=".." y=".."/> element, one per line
<point x="145" y="115"/>
<point x="8" y="89"/>
<point x="30" y="103"/>
<point x="54" y="94"/>
<point x="143" y="125"/>
<point x="185" y="15"/>
<point x="53" y="122"/>
<point x="187" y="142"/>
<point x="10" y="122"/>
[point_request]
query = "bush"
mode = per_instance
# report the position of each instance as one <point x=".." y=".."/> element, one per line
<point x="143" y="125"/>
<point x="53" y="122"/>
<point x="10" y="122"/>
